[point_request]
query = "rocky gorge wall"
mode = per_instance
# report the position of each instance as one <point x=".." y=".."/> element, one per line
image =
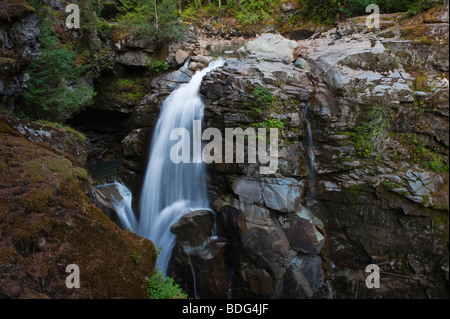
<point x="377" y="106"/>
<point x="19" y="31"/>
<point x="377" y="103"/>
<point x="49" y="220"/>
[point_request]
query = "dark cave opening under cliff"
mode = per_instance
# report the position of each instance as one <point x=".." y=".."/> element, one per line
<point x="104" y="131"/>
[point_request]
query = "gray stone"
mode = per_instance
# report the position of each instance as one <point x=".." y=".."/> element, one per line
<point x="194" y="227"/>
<point x="287" y="6"/>
<point x="196" y="66"/>
<point x="134" y="58"/>
<point x="303" y="64"/>
<point x="248" y="191"/>
<point x="282" y="194"/>
<point x="132" y="143"/>
<point x="270" y="45"/>
<point x="202" y="59"/>
<point x="181" y="57"/>
<point x="301" y="232"/>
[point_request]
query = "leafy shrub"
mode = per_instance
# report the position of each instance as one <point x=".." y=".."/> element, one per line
<point x="254" y="11"/>
<point x="263" y="96"/>
<point x="160" y="66"/>
<point x="160" y="287"/>
<point x="54" y="84"/>
<point x="270" y="123"/>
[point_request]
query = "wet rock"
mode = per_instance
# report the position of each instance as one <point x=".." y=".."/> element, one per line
<point x="194" y="227"/>
<point x="247" y="190"/>
<point x="282" y="195"/>
<point x="133" y="144"/>
<point x="196" y="66"/>
<point x="202" y="59"/>
<point x="171" y="81"/>
<point x="301" y="232"/>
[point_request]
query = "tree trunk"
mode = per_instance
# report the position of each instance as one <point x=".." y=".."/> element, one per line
<point x="156" y="15"/>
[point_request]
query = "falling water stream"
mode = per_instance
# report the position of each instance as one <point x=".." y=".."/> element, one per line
<point x="170" y="190"/>
<point x="310" y="156"/>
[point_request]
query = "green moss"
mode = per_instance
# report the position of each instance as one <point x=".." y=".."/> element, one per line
<point x="372" y="132"/>
<point x="80" y="173"/>
<point x="3" y="165"/>
<point x="35" y="171"/>
<point x="354" y="190"/>
<point x="391" y="185"/>
<point x="420" y="153"/>
<point x="441" y="206"/>
<point x="60" y="165"/>
<point x="81" y="138"/>
<point x="270" y="123"/>
<point x="12" y="9"/>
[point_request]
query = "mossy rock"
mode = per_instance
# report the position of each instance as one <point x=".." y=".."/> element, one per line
<point x="14" y="9"/>
<point x="47" y="222"/>
<point x="6" y="61"/>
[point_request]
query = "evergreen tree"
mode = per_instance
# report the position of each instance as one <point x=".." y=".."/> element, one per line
<point x="155" y="21"/>
<point x="54" y="85"/>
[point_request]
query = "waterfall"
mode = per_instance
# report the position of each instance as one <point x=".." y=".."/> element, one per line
<point x="123" y="206"/>
<point x="194" y="279"/>
<point x="171" y="190"/>
<point x="310" y="156"/>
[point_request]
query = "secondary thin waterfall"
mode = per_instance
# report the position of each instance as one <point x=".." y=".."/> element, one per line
<point x="171" y="190"/>
<point x="310" y="156"/>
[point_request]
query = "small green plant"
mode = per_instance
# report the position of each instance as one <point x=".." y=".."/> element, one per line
<point x="161" y="287"/>
<point x="441" y="206"/>
<point x="372" y="134"/>
<point x="270" y="123"/>
<point x="136" y="257"/>
<point x="160" y="66"/>
<point x="428" y="159"/>
<point x="263" y="97"/>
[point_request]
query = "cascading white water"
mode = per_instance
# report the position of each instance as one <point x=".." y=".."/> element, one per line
<point x="171" y="190"/>
<point x="124" y="206"/>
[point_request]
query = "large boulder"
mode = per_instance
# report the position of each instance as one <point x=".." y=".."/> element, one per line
<point x="48" y="222"/>
<point x="270" y="46"/>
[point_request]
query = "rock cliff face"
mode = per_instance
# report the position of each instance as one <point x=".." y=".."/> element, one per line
<point x="48" y="221"/>
<point x="362" y="168"/>
<point x="376" y="104"/>
<point x="19" y="31"/>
